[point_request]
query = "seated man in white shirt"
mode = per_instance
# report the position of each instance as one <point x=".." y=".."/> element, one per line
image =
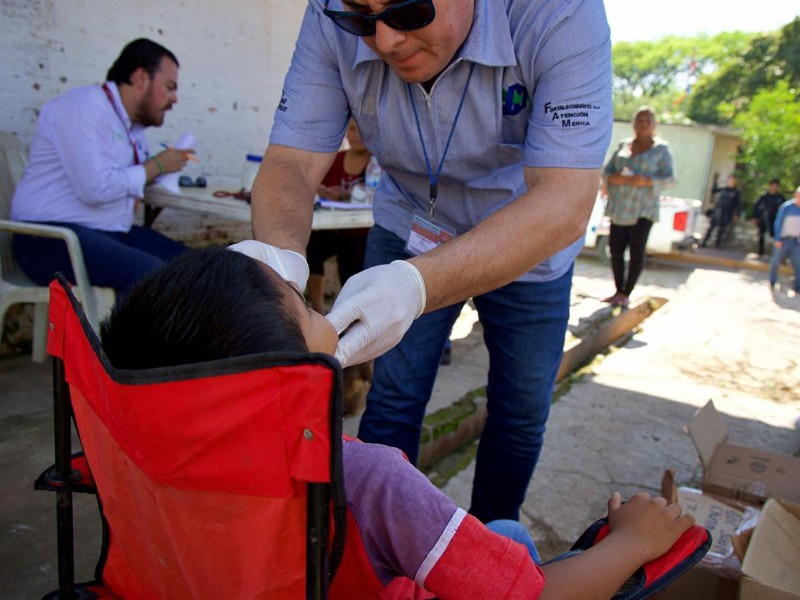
<point x="88" y="164"/>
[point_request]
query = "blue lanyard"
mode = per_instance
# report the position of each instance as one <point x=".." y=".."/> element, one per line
<point x="434" y="177"/>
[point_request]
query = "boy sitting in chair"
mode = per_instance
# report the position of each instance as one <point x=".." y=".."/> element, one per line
<point x="213" y="303"/>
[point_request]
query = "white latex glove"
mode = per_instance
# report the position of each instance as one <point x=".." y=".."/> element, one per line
<point x="380" y="303"/>
<point x="290" y="265"/>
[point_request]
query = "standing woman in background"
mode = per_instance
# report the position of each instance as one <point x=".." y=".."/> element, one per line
<point x="638" y="170"/>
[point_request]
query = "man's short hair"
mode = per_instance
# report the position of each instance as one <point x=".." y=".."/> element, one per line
<point x="143" y="53"/>
<point x="775" y="181"/>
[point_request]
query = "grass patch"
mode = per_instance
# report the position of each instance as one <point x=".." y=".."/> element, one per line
<point x="446" y="420"/>
<point x="447" y="467"/>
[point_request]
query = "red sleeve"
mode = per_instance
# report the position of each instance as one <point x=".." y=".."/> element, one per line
<point x="483" y="565"/>
<point x="336" y="173"/>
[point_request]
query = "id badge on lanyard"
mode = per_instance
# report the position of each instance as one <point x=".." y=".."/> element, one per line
<point x="425" y="234"/>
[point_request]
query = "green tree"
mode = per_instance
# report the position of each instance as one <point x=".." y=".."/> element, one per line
<point x="721" y="95"/>
<point x="770" y="129"/>
<point x="657" y="73"/>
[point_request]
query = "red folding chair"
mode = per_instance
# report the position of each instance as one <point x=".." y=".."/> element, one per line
<point x="215" y="480"/>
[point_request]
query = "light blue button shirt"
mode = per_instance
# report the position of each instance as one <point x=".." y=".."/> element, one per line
<point x="540" y="96"/>
<point x="81" y="164"/>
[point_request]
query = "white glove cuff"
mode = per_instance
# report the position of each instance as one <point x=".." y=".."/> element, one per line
<point x="295" y="268"/>
<point x="419" y="284"/>
<point x="290" y="265"/>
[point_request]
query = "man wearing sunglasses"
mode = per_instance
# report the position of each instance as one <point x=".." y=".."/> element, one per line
<point x="88" y="164"/>
<point x="491" y="120"/>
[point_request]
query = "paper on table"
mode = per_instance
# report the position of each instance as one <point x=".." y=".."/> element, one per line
<point x="339" y="205"/>
<point x="170" y="180"/>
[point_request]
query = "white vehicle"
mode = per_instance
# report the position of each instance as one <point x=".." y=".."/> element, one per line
<point x="677" y="226"/>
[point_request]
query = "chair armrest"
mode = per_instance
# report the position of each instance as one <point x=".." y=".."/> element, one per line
<point x="84" y="291"/>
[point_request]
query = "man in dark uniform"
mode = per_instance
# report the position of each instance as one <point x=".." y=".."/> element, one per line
<point x="765" y="210"/>
<point x="726" y="209"/>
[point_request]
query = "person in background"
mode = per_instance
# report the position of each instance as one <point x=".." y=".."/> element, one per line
<point x="409" y="539"/>
<point x="88" y="164"/>
<point x="765" y="211"/>
<point x="726" y="211"/>
<point x="347" y="245"/>
<point x="637" y="172"/>
<point x="787" y="241"/>
<point x="491" y="121"/>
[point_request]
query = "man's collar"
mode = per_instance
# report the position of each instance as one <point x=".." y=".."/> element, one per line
<point x="118" y="105"/>
<point x="488" y="42"/>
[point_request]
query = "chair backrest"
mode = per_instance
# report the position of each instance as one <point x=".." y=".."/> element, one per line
<point x="203" y="470"/>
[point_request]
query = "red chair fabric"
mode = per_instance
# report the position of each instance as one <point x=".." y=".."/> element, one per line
<point x="201" y="470"/>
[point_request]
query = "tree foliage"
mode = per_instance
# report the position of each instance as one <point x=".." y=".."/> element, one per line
<point x="770" y="129"/>
<point x="658" y="73"/>
<point x="721" y="95"/>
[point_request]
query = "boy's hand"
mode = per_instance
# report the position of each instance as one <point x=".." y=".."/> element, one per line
<point x="646" y="523"/>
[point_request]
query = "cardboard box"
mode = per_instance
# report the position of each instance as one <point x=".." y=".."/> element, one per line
<point x="741" y="472"/>
<point x="716" y="576"/>
<point x="720" y="519"/>
<point x="701" y="582"/>
<point x="771" y="565"/>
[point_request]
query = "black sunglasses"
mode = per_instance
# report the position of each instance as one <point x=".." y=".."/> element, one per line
<point x="404" y="16"/>
<point x="186" y="181"/>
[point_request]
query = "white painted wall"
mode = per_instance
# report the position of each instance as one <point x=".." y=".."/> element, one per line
<point x="233" y="55"/>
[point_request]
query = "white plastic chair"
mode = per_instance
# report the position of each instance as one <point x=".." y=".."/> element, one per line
<point x="15" y="287"/>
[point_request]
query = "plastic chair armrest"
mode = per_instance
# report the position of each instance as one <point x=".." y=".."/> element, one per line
<point x="84" y="291"/>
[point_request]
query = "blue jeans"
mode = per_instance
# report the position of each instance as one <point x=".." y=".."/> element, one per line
<point x="523" y="327"/>
<point x="113" y="259"/>
<point x="789" y="247"/>
<point x="517" y="532"/>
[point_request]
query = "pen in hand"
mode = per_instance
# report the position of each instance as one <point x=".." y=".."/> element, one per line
<point x="187" y="154"/>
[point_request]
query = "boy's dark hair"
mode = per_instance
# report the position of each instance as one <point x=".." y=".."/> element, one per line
<point x="776" y="181"/>
<point x="143" y="53"/>
<point x="202" y="305"/>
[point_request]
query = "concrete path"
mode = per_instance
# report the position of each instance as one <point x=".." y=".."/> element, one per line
<point x="722" y="335"/>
